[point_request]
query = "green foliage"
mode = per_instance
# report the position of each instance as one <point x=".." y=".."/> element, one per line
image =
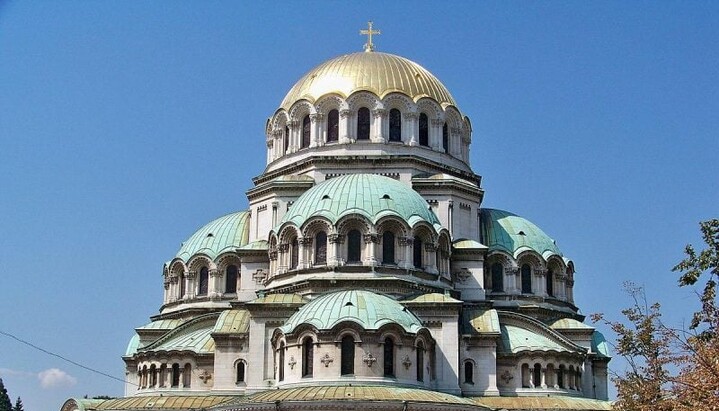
<point x="18" y="405"/>
<point x="5" y="403"/>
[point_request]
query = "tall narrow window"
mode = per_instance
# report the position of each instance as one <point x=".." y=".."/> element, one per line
<point x="525" y="376"/>
<point x="560" y="376"/>
<point x="306" y="124"/>
<point x="175" y="375"/>
<point x="348" y="355"/>
<point x="537" y="376"/>
<point x="281" y="365"/>
<point x="417" y="253"/>
<point x="420" y="361"/>
<point x="468" y="372"/>
<point x="363" y="124"/>
<point x="182" y="286"/>
<point x="231" y="279"/>
<point x="321" y="248"/>
<point x="445" y="138"/>
<point x="333" y="125"/>
<point x="153" y="375"/>
<point x="497" y="277"/>
<point x="187" y="376"/>
<point x="550" y="283"/>
<point x="354" y="242"/>
<point x="287" y="139"/>
<point x="395" y="125"/>
<point x="388" y="357"/>
<point x="388" y="248"/>
<point x="526" y="279"/>
<point x="307" y="357"/>
<point x="240" y="377"/>
<point x="423" y="130"/>
<point x="294" y="253"/>
<point x="163" y="375"/>
<point x="204" y="281"/>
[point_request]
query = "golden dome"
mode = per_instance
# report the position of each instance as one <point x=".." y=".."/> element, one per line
<point x="379" y="73"/>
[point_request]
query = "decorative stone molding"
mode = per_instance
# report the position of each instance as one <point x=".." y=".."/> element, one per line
<point x="507" y="377"/>
<point x="205" y="376"/>
<point x="326" y="359"/>
<point x="292" y="362"/>
<point x="371" y="238"/>
<point x="369" y="359"/>
<point x="191" y="274"/>
<point x="406" y="362"/>
<point x="462" y="275"/>
<point x="430" y="247"/>
<point x="259" y="276"/>
<point x="336" y="239"/>
<point x="344" y="113"/>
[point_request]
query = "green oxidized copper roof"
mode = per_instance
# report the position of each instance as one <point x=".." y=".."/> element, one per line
<point x="280" y="299"/>
<point x="468" y="244"/>
<point x="232" y="322"/>
<point x="370" y="195"/>
<point x="432" y="298"/>
<point x="504" y="231"/>
<point x="357" y="393"/>
<point x="569" y="324"/>
<point x="193" y="335"/>
<point x="166" y="324"/>
<point x="516" y="339"/>
<point x="371" y="311"/>
<point x="256" y="245"/>
<point x="132" y="346"/>
<point x="600" y="345"/>
<point x="223" y="234"/>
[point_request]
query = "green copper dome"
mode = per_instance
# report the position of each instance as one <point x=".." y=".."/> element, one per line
<point x="369" y="310"/>
<point x="504" y="231"/>
<point x="223" y="234"/>
<point x="370" y="195"/>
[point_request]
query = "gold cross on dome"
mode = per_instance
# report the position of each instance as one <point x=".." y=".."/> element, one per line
<point x="369" y="46"/>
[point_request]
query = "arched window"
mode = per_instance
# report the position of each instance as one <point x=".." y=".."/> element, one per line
<point x="497" y="278"/>
<point x="204" y="280"/>
<point x="423" y="130"/>
<point x="395" y="125"/>
<point x="306" y="124"/>
<point x="549" y="375"/>
<point x="560" y="376"/>
<point x="307" y="357"/>
<point x="468" y="372"/>
<point x="417" y="253"/>
<point x="537" y="376"/>
<point x="550" y="283"/>
<point x="363" y="124"/>
<point x="348" y="355"/>
<point x="287" y="139"/>
<point x="231" y="279"/>
<point x="153" y="375"/>
<point x="388" y="357"/>
<point x="143" y="378"/>
<point x="294" y="253"/>
<point x="163" y="375"/>
<point x="333" y="125"/>
<point x="175" y="375"/>
<point x="182" y="286"/>
<point x="354" y="240"/>
<point x="240" y="377"/>
<point x="187" y="376"/>
<point x="526" y="279"/>
<point x="420" y="361"/>
<point x="281" y="365"/>
<point x="445" y="138"/>
<point x="388" y="248"/>
<point x="321" y="248"/>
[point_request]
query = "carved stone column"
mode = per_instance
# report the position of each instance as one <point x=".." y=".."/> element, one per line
<point x="510" y="278"/>
<point x="370" y="241"/>
<point x="166" y="297"/>
<point x="541" y="282"/>
<point x="378" y="126"/>
<point x="316" y="120"/>
<point x="190" y="277"/>
<point x="435" y="134"/>
<point x="283" y="260"/>
<point x="344" y="126"/>
<point x="430" y="258"/>
<point x="335" y="258"/>
<point x="408" y="243"/>
<point x="305" y="244"/>
<point x="214" y="284"/>
<point x="294" y="145"/>
<point x="409" y="131"/>
<point x="455" y="145"/>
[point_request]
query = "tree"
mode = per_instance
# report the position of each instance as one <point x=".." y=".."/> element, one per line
<point x="18" y="405"/>
<point x="5" y="404"/>
<point x="669" y="368"/>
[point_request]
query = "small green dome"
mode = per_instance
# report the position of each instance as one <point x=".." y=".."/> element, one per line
<point x="223" y="234"/>
<point x="504" y="231"/>
<point x="369" y="310"/>
<point x="370" y="195"/>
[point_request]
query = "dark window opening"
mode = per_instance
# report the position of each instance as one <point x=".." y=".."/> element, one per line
<point x="175" y="375"/>
<point x="445" y="138"/>
<point x="417" y="253"/>
<point x="204" y="281"/>
<point x="240" y="372"/>
<point x="550" y="283"/>
<point x="363" y="124"/>
<point x="395" y="125"/>
<point x="287" y="139"/>
<point x="333" y="125"/>
<point x="348" y="355"/>
<point x="497" y="277"/>
<point x="423" y="130"/>
<point x="420" y="361"/>
<point x="388" y="357"/>
<point x="231" y="279"/>
<point x="354" y="240"/>
<point x="307" y="357"/>
<point x="526" y="279"/>
<point x="281" y="368"/>
<point x="294" y="254"/>
<point x="537" y="375"/>
<point x="321" y="248"/>
<point x="468" y="372"/>
<point x="388" y="248"/>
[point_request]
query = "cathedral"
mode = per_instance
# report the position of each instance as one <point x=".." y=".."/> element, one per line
<point x="365" y="272"/>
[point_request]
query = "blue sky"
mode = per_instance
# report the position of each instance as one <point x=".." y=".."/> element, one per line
<point x="125" y="126"/>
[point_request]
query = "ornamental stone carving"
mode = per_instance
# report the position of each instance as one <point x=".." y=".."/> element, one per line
<point x="326" y="359"/>
<point x="292" y="362"/>
<point x="507" y="377"/>
<point x="369" y="359"/>
<point x="406" y="362"/>
<point x="205" y="376"/>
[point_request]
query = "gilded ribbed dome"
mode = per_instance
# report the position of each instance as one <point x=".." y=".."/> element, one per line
<point x="379" y="73"/>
